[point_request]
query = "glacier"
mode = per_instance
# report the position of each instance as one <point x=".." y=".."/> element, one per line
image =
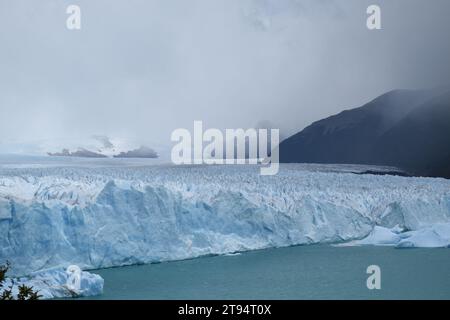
<point x="105" y="216"/>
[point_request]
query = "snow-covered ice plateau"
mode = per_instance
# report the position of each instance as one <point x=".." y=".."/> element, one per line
<point x="96" y="217"/>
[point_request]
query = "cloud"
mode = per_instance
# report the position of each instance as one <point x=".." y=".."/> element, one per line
<point x="141" y="69"/>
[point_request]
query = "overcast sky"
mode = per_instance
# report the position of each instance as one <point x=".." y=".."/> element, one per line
<point x="141" y="69"/>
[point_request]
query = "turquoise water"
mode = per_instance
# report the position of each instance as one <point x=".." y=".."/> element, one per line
<point x="304" y="272"/>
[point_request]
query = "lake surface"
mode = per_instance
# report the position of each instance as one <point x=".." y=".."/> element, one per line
<point x="303" y="272"/>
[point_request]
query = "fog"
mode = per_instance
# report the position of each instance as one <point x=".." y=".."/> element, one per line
<point x="140" y="69"/>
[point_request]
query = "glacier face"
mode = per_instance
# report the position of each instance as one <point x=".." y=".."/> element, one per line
<point x="110" y="216"/>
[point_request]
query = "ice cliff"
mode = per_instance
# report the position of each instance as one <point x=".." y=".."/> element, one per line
<point x="102" y="217"/>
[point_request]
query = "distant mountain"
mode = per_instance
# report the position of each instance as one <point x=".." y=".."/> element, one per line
<point x="403" y="128"/>
<point x="142" y="152"/>
<point x="80" y="153"/>
<point x="100" y="146"/>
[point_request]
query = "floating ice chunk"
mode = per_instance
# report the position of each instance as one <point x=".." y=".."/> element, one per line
<point x="436" y="236"/>
<point x="54" y="284"/>
<point x="380" y="236"/>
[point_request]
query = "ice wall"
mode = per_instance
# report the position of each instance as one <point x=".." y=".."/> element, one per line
<point x="103" y="217"/>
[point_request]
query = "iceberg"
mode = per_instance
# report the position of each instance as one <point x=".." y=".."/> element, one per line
<point x="52" y="284"/>
<point x="431" y="237"/>
<point x="437" y="236"/>
<point x="97" y="217"/>
<point x="379" y="236"/>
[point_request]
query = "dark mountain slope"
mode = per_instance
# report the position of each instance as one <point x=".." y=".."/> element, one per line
<point x="420" y="142"/>
<point x="349" y="136"/>
<point x="408" y="129"/>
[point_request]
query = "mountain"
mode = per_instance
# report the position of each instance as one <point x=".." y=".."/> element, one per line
<point x="142" y="152"/>
<point x="100" y="146"/>
<point x="421" y="141"/>
<point x="404" y="128"/>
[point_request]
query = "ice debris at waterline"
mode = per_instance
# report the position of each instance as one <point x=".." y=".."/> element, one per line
<point x="54" y="283"/>
<point x="434" y="236"/>
<point x="102" y="217"/>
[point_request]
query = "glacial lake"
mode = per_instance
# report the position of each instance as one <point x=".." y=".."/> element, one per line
<point x="301" y="272"/>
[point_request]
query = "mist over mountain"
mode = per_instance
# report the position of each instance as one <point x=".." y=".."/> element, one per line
<point x="403" y="128"/>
